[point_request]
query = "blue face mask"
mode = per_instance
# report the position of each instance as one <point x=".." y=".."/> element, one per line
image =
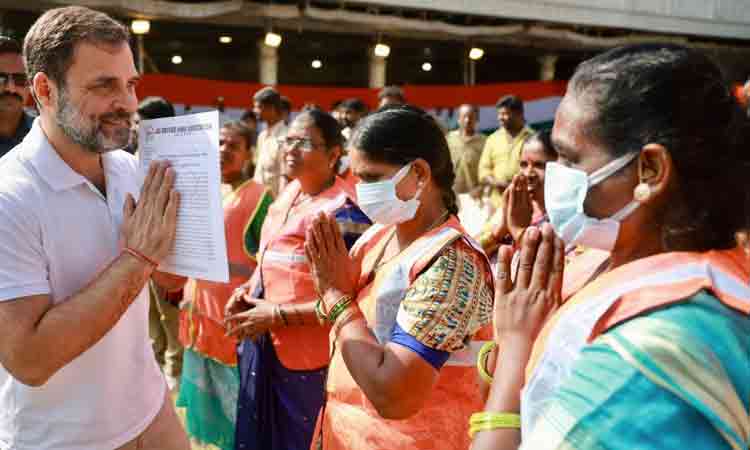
<point x="565" y="191"/>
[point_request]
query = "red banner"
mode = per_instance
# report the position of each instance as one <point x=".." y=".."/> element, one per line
<point x="197" y="91"/>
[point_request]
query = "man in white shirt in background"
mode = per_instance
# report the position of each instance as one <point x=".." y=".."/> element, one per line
<point x="268" y="166"/>
<point x="76" y="250"/>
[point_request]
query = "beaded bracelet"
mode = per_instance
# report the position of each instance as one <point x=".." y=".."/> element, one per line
<point x="486" y="421"/>
<point x="482" y="358"/>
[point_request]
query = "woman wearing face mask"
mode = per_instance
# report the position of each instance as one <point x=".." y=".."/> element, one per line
<point x="653" y="353"/>
<point x="408" y="304"/>
<point x="524" y="198"/>
<point x="284" y="354"/>
<point x="525" y="206"/>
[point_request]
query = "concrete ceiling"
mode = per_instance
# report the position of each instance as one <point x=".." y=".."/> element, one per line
<point x="552" y="25"/>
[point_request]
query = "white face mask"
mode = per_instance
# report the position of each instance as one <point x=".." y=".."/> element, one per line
<point x="565" y="191"/>
<point x="379" y="201"/>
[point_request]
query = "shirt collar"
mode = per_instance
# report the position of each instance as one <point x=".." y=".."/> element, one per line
<point x="47" y="162"/>
<point x="521" y="134"/>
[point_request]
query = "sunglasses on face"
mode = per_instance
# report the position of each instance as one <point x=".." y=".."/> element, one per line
<point x="19" y="79"/>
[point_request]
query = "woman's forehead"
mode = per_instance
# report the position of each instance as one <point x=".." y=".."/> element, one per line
<point x="572" y="120"/>
<point x="360" y="163"/>
<point x="533" y="149"/>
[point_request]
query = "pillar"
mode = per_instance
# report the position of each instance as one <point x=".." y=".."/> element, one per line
<point x="377" y="70"/>
<point x="547" y="67"/>
<point x="269" y="64"/>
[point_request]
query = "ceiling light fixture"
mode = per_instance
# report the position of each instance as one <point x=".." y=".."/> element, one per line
<point x="273" y="39"/>
<point x="476" y="53"/>
<point x="140" y="26"/>
<point x="382" y="50"/>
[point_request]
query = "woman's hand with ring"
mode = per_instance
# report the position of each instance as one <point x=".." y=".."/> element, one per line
<point x="522" y="306"/>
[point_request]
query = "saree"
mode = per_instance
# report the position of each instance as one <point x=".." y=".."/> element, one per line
<point x="643" y="338"/>
<point x="439" y="292"/>
<point x="210" y="380"/>
<point x="282" y="372"/>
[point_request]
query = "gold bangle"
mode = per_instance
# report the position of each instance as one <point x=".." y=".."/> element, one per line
<point x="319" y="314"/>
<point x="482" y="358"/>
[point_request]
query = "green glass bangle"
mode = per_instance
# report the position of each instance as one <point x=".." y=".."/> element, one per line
<point x="338" y="308"/>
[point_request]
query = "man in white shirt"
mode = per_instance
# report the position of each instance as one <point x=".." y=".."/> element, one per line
<point x="268" y="167"/>
<point x="76" y="367"/>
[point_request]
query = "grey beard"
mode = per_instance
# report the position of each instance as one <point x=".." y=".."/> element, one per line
<point x="88" y="136"/>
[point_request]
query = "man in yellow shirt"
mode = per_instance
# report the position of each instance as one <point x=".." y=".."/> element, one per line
<point x="466" y="146"/>
<point x="502" y="152"/>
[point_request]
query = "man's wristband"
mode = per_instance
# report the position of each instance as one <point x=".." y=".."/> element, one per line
<point x="141" y="256"/>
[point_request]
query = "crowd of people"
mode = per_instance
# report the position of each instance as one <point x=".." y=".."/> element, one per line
<point x="604" y="303"/>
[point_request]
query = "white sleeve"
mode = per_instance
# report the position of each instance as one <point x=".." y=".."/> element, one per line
<point x="23" y="265"/>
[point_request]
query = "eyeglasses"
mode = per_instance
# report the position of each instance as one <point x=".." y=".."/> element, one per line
<point x="19" y="79"/>
<point x="305" y="144"/>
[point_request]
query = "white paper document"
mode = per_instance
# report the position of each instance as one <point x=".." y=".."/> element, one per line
<point x="191" y="144"/>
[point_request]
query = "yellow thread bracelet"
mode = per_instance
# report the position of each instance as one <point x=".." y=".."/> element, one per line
<point x="486" y="421"/>
<point x="484" y="353"/>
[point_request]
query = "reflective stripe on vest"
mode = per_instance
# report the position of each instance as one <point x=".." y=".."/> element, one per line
<point x="573" y="326"/>
<point x="283" y="258"/>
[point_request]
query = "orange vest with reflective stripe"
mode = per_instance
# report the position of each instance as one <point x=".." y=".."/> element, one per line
<point x="201" y="324"/>
<point x="349" y="420"/>
<point x="622" y="294"/>
<point x="285" y="273"/>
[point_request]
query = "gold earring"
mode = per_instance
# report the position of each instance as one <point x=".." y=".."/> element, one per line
<point x="642" y="192"/>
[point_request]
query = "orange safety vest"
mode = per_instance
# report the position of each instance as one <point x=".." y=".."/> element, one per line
<point x="349" y="420"/>
<point x="348" y="176"/>
<point x="201" y="324"/>
<point x="285" y="273"/>
<point x="622" y="294"/>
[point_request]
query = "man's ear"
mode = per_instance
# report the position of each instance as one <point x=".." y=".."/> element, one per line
<point x="44" y="90"/>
